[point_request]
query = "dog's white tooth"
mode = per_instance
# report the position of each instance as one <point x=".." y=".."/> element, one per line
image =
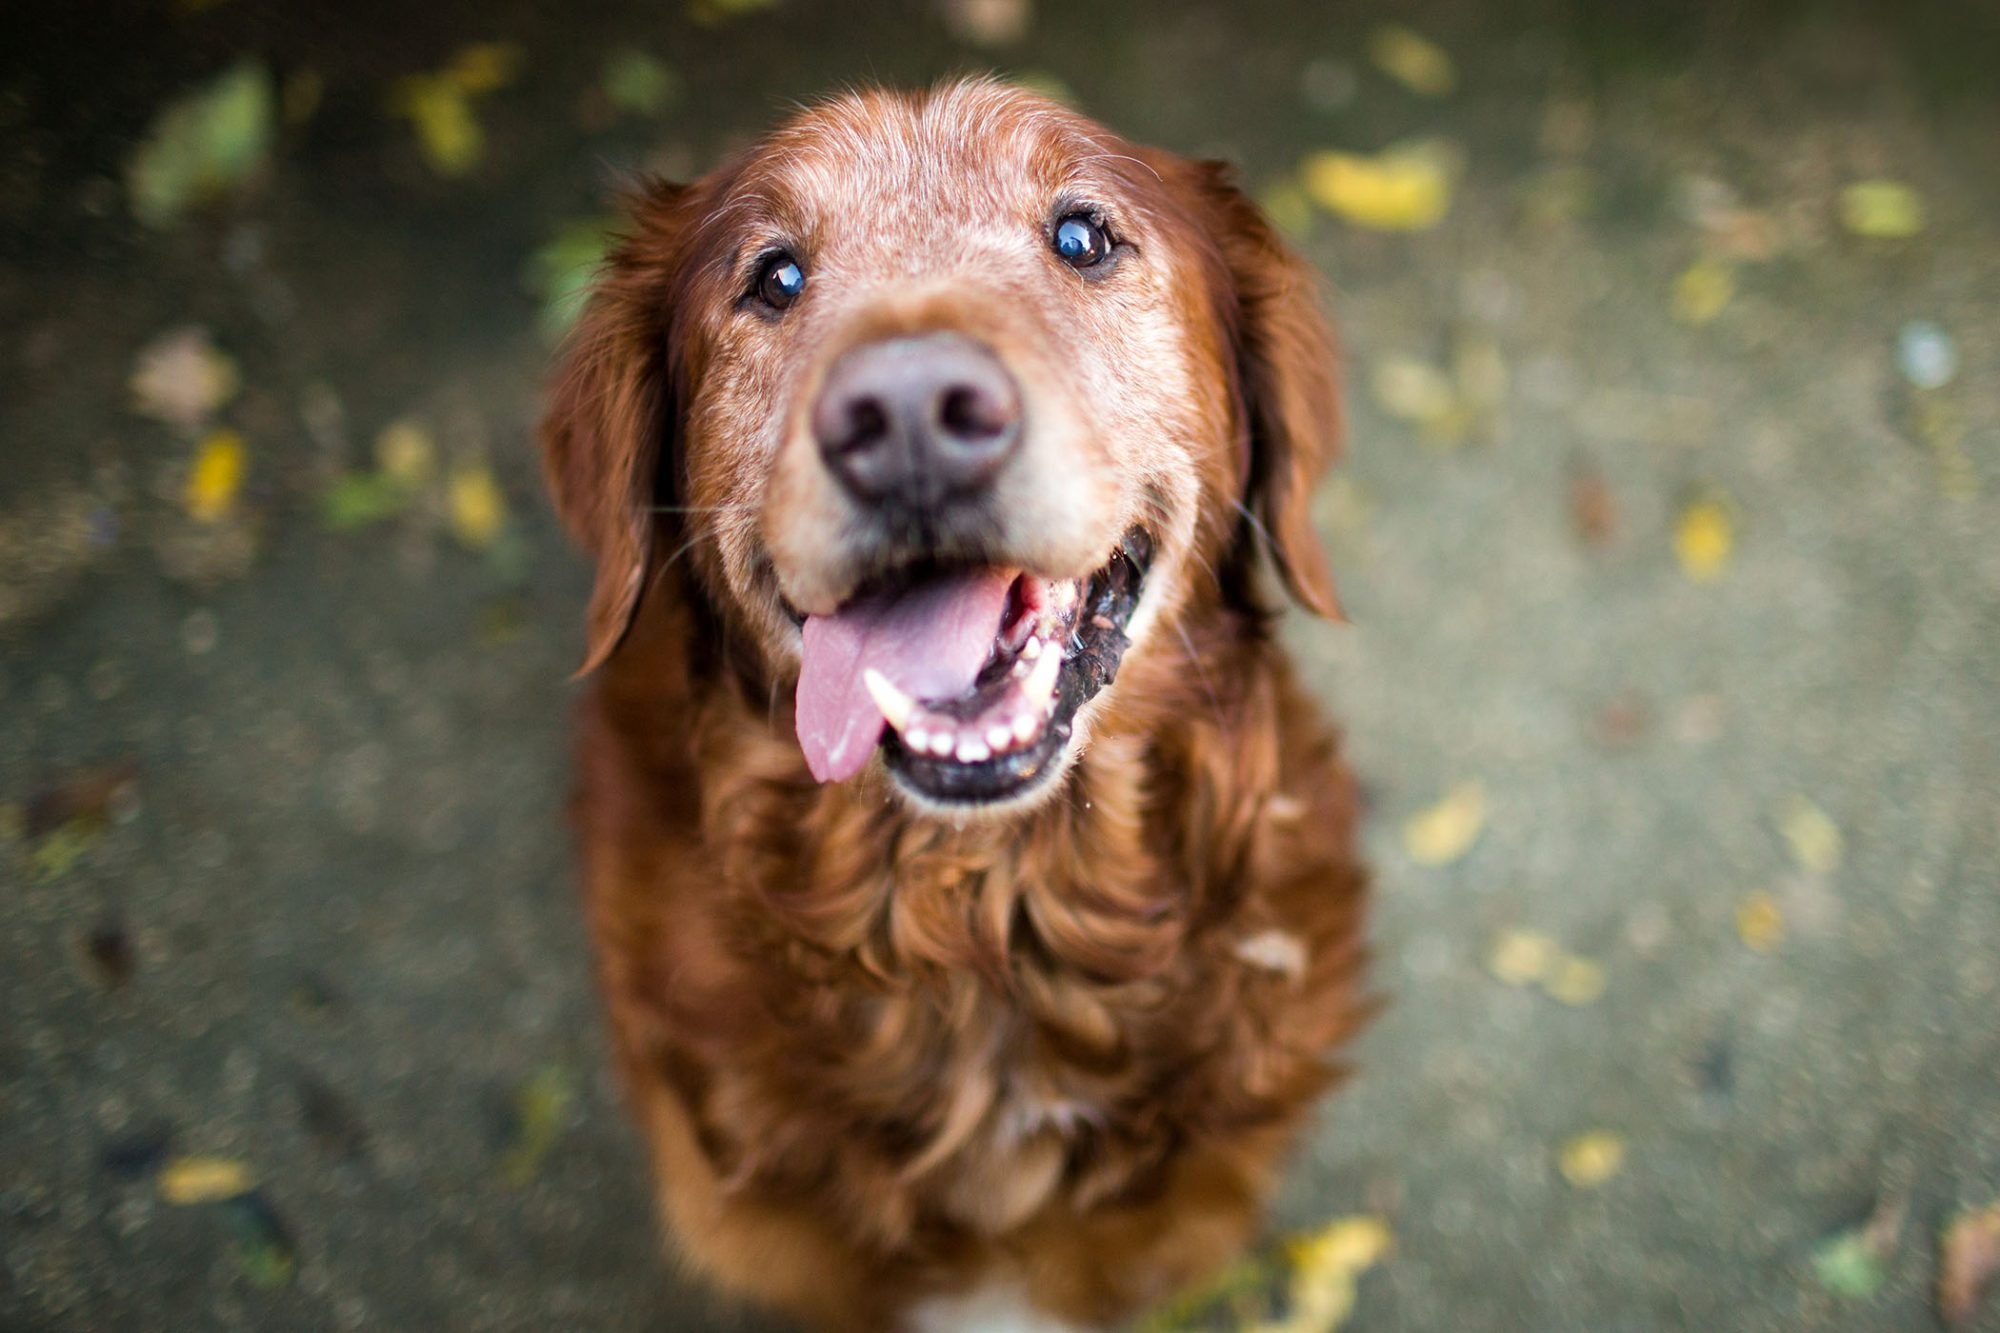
<point x="972" y="750"/>
<point x="1040" y="687"/>
<point x="941" y="744"/>
<point x="999" y="737"/>
<point x="1032" y="649"/>
<point x="1018" y="670"/>
<point x="897" y="707"/>
<point x="917" y="739"/>
<point x="1025" y="727"/>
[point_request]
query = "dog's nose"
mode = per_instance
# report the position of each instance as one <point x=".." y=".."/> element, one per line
<point x="917" y="421"/>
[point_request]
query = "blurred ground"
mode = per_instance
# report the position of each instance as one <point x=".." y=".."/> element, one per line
<point x="1676" y="590"/>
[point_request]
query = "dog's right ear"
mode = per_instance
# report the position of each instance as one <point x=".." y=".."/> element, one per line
<point x="610" y="423"/>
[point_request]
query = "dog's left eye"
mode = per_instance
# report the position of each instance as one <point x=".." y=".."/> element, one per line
<point x="1079" y="241"/>
<point x="780" y="281"/>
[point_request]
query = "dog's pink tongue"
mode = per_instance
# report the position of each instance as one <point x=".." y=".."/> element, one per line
<point x="930" y="639"/>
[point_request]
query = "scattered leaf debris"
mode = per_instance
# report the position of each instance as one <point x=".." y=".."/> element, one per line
<point x="561" y="271"/>
<point x="1444" y="832"/>
<point x="1882" y="210"/>
<point x="639" y="83"/>
<point x="439" y="105"/>
<point x="1524" y="958"/>
<point x="194" y="1180"/>
<point x="1521" y="957"/>
<point x="1703" y="291"/>
<point x="1413" y="60"/>
<point x="989" y="22"/>
<point x="477" y="509"/>
<point x="202" y="145"/>
<point x="1760" y="922"/>
<point x="540" y="1108"/>
<point x="1592" y="1158"/>
<point x="1812" y="835"/>
<point x="1969" y="1260"/>
<point x="263" y="1245"/>
<point x="1593" y="509"/>
<point x="1575" y="981"/>
<point x="1704" y="537"/>
<point x="1406" y="187"/>
<point x="1853" y="1264"/>
<point x="215" y="477"/>
<point x="1326" y="1267"/>
<point x="180" y="378"/>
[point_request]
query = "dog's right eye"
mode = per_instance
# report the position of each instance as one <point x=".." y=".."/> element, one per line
<point x="780" y="281"/>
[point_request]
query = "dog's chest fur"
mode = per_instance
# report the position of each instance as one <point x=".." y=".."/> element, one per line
<point x="942" y="1031"/>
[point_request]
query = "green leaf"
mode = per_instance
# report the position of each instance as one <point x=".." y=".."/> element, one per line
<point x="639" y="84"/>
<point x="363" y="499"/>
<point x="1849" y="1266"/>
<point x="202" y="145"/>
<point x="562" y="270"/>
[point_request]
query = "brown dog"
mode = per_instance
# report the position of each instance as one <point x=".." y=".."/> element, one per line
<point x="972" y="889"/>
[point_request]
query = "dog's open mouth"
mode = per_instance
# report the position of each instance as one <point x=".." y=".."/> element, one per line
<point x="969" y="680"/>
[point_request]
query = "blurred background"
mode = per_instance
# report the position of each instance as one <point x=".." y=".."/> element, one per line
<point x="1670" y="531"/>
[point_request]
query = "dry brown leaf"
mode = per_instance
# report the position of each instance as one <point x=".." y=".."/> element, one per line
<point x="1968" y="1262"/>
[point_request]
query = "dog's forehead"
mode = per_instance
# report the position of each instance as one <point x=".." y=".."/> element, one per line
<point x="883" y="170"/>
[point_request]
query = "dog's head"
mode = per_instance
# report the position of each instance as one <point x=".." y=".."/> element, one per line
<point x="951" y="400"/>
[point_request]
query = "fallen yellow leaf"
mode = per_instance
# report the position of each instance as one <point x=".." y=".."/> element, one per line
<point x="1588" y="1160"/>
<point x="1703" y="539"/>
<point x="447" y="132"/>
<point x="483" y="67"/>
<point x="1444" y="832"/>
<point x="1404" y="188"/>
<point x="1575" y="981"/>
<point x="1760" y="923"/>
<point x="1326" y="1264"/>
<point x="1416" y="391"/>
<point x="216" y="477"/>
<point x="1882" y="209"/>
<point x="1521" y="957"/>
<point x="1350" y="1244"/>
<point x="1813" y="836"/>
<point x="191" y="1180"/>
<point x="405" y="454"/>
<point x="1702" y="291"/>
<point x="1413" y="60"/>
<point x="477" y="509"/>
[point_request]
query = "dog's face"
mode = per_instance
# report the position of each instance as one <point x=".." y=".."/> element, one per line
<point x="952" y="400"/>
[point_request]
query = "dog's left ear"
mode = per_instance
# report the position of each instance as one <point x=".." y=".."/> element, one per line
<point x="1288" y="378"/>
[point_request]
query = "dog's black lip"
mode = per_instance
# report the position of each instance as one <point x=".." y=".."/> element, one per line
<point x="1090" y="663"/>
